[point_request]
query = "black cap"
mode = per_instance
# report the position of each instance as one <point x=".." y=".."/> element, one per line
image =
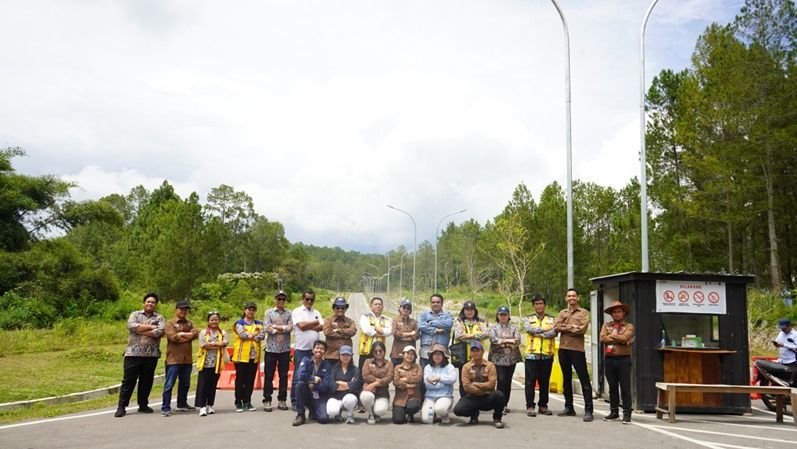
<point x="783" y="322"/>
<point x="250" y="305"/>
<point x="280" y="293"/>
<point x="182" y="305"/>
<point x="469" y="305"/>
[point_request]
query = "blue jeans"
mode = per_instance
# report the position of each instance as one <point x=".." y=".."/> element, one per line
<point x="305" y="400"/>
<point x="181" y="374"/>
<point x="298" y="355"/>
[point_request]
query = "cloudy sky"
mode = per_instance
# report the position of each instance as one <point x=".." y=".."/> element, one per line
<point x="326" y="111"/>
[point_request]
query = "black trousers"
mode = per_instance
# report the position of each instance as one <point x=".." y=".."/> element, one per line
<point x="538" y="371"/>
<point x="245" y="373"/>
<point x="570" y="360"/>
<point x="206" y="387"/>
<point x="141" y="370"/>
<point x="276" y="362"/>
<point x="401" y="414"/>
<point x="470" y="405"/>
<point x="504" y="384"/>
<point x="618" y="375"/>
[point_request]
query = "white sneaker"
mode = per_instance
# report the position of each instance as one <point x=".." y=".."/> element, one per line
<point x="445" y="420"/>
<point x="203" y="411"/>
<point x="210" y="410"/>
<point x="371" y="419"/>
<point x="350" y="419"/>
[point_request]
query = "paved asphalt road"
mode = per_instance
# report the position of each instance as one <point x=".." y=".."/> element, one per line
<point x="228" y="429"/>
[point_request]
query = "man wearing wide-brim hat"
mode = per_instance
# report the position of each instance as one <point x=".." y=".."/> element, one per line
<point x="617" y="337"/>
<point x="338" y="329"/>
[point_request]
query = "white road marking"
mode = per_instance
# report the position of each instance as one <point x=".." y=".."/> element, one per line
<point x="735" y="435"/>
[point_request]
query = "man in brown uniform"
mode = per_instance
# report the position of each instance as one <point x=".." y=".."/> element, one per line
<point x="180" y="332"/>
<point x="617" y="337"/>
<point x="479" y="378"/>
<point x="338" y="330"/>
<point x="572" y="324"/>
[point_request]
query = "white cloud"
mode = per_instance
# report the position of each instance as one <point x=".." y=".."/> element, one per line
<point x="324" y="112"/>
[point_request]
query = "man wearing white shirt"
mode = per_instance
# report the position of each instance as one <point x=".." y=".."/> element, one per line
<point x="374" y="327"/>
<point x="786" y="342"/>
<point x="307" y="323"/>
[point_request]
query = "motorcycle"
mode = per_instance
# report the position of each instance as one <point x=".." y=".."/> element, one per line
<point x="765" y="373"/>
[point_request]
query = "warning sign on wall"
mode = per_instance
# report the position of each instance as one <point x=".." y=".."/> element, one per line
<point x="690" y="297"/>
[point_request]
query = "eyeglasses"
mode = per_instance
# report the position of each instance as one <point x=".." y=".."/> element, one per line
<point x="309" y="299"/>
<point x="340" y="308"/>
<point x="281" y="298"/>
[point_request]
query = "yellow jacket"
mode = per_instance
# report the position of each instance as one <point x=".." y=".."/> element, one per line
<point x="540" y="343"/>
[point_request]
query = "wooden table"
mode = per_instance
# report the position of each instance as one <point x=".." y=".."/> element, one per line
<point x="694" y="366"/>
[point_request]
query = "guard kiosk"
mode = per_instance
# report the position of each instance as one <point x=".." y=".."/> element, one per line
<point x="690" y="328"/>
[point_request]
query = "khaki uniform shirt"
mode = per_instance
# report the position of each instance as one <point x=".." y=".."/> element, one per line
<point x="572" y="338"/>
<point x="399" y="328"/>
<point x="479" y="380"/>
<point x="338" y="332"/>
<point x="620" y="345"/>
<point x="178" y="353"/>
<point x="407" y="382"/>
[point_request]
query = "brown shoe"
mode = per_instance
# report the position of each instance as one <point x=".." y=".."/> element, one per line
<point x="530" y="412"/>
<point x="545" y="411"/>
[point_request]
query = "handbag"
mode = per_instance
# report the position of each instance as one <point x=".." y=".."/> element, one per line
<point x="459" y="353"/>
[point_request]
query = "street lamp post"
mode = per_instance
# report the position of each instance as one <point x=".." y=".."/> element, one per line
<point x="401" y="274"/>
<point x="643" y="176"/>
<point x="415" y="244"/>
<point x="569" y="149"/>
<point x="437" y="242"/>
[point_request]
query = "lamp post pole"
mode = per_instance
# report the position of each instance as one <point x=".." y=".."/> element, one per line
<point x="437" y="242"/>
<point x="569" y="149"/>
<point x="643" y="176"/>
<point x="415" y="244"/>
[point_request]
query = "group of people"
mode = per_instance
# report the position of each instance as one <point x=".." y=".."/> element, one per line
<point x="428" y="356"/>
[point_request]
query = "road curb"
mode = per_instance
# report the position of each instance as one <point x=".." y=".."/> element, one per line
<point x="69" y="398"/>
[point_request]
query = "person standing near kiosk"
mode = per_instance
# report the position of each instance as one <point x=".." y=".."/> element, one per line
<point x="617" y="337"/>
<point x="572" y="324"/>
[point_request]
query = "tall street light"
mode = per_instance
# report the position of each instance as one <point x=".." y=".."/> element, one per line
<point x="643" y="175"/>
<point x="569" y="150"/>
<point x="437" y="242"/>
<point x="415" y="244"/>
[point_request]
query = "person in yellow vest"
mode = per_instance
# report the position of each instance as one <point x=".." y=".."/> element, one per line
<point x="468" y="327"/>
<point x="210" y="362"/>
<point x="249" y="333"/>
<point x="374" y="327"/>
<point x="540" y="344"/>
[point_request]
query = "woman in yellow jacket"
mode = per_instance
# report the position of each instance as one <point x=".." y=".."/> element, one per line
<point x="468" y="327"/>
<point x="212" y="350"/>
<point x="249" y="333"/>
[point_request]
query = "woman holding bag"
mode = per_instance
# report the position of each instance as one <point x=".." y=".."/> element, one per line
<point x="468" y="327"/>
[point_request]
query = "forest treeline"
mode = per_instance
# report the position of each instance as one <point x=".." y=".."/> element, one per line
<point x="722" y="180"/>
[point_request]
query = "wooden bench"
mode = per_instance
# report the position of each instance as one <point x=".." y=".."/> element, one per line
<point x="670" y="390"/>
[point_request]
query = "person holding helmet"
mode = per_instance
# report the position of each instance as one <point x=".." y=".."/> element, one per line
<point x="338" y="329"/>
<point x="407" y="377"/>
<point x="439" y="377"/>
<point x="617" y="337"/>
<point x="405" y="331"/>
<point x="504" y="351"/>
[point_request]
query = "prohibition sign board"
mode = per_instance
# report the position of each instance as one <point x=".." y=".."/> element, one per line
<point x="713" y="297"/>
<point x="699" y="297"/>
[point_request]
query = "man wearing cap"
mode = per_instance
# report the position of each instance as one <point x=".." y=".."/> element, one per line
<point x="279" y="324"/>
<point x="338" y="329"/>
<point x="540" y="344"/>
<point x="572" y="324"/>
<point x="405" y="331"/>
<point x="307" y="325"/>
<point x="479" y="378"/>
<point x="617" y="337"/>
<point x="145" y="329"/>
<point x="248" y="335"/>
<point x="435" y="327"/>
<point x="786" y="342"/>
<point x="180" y="332"/>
